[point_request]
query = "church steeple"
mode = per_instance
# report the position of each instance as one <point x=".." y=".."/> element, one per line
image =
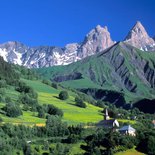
<point x="106" y="116"/>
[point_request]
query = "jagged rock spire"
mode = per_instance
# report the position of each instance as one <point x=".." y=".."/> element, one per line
<point x="138" y="30"/>
<point x="95" y="41"/>
<point x="139" y="38"/>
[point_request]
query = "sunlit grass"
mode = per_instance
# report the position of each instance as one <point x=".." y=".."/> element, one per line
<point x="130" y="152"/>
<point x="49" y="95"/>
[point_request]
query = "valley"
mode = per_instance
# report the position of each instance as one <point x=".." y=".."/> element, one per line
<point x="90" y="98"/>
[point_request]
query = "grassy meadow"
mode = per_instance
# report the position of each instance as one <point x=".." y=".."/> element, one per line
<point x="130" y="152"/>
<point x="49" y="95"/>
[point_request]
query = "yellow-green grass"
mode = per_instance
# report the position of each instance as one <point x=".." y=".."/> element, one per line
<point x="72" y="113"/>
<point x="28" y="118"/>
<point x="75" y="149"/>
<point x="40" y="87"/>
<point x="130" y="152"/>
<point x="127" y="121"/>
<point x="48" y="95"/>
<point x="10" y="92"/>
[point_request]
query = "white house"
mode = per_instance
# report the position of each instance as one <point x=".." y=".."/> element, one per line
<point x="127" y="130"/>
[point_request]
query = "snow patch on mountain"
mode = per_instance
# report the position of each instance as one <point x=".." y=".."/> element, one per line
<point x="17" y="60"/>
<point x="97" y="40"/>
<point x="4" y="54"/>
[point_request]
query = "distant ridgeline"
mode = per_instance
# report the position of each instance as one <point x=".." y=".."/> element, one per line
<point x="122" y="74"/>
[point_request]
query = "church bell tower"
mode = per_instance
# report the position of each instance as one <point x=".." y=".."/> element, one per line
<point x="106" y="116"/>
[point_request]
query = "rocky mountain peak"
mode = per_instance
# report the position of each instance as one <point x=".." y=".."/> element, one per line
<point x="138" y="30"/>
<point x="139" y="38"/>
<point x="99" y="28"/>
<point x="11" y="45"/>
<point x="95" y="41"/>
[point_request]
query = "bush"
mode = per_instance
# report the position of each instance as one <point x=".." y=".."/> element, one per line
<point x="26" y="99"/>
<point x="1" y="98"/>
<point x="12" y="110"/>
<point x="100" y="104"/>
<point x="41" y="113"/>
<point x="52" y="110"/>
<point x="2" y="91"/>
<point x="7" y="99"/>
<point x="55" y="127"/>
<point x="54" y="85"/>
<point x="1" y="120"/>
<point x="63" y="95"/>
<point x="47" y="82"/>
<point x="23" y="88"/>
<point x="79" y="102"/>
<point x="3" y="84"/>
<point x="72" y="138"/>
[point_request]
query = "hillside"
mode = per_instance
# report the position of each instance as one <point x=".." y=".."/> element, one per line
<point x="122" y="68"/>
<point x="13" y="77"/>
<point x="72" y="113"/>
<point x="41" y="122"/>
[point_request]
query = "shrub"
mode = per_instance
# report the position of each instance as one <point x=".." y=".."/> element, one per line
<point x="63" y="95"/>
<point x="54" y="85"/>
<point x="47" y="82"/>
<point x="12" y="110"/>
<point x="52" y="110"/>
<point x="26" y="99"/>
<point x="7" y="99"/>
<point x="1" y="120"/>
<point x="79" y="102"/>
<point x="2" y="91"/>
<point x="41" y="114"/>
<point x="3" y="84"/>
<point x="1" y="98"/>
<point x="100" y="104"/>
<point x="41" y="111"/>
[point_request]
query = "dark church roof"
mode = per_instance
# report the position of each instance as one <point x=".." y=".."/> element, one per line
<point x="107" y="123"/>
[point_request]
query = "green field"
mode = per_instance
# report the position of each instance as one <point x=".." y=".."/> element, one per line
<point x="72" y="113"/>
<point x="48" y="95"/>
<point x="130" y="152"/>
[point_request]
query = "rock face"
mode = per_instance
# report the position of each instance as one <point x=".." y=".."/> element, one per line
<point x="95" y="41"/>
<point x="13" y="52"/>
<point x="139" y="38"/>
<point x="121" y="67"/>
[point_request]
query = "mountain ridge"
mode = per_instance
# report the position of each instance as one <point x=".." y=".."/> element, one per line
<point x="97" y="40"/>
<point x="121" y="67"/>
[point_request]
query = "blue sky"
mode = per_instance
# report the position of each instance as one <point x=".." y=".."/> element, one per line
<point x="58" y="22"/>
